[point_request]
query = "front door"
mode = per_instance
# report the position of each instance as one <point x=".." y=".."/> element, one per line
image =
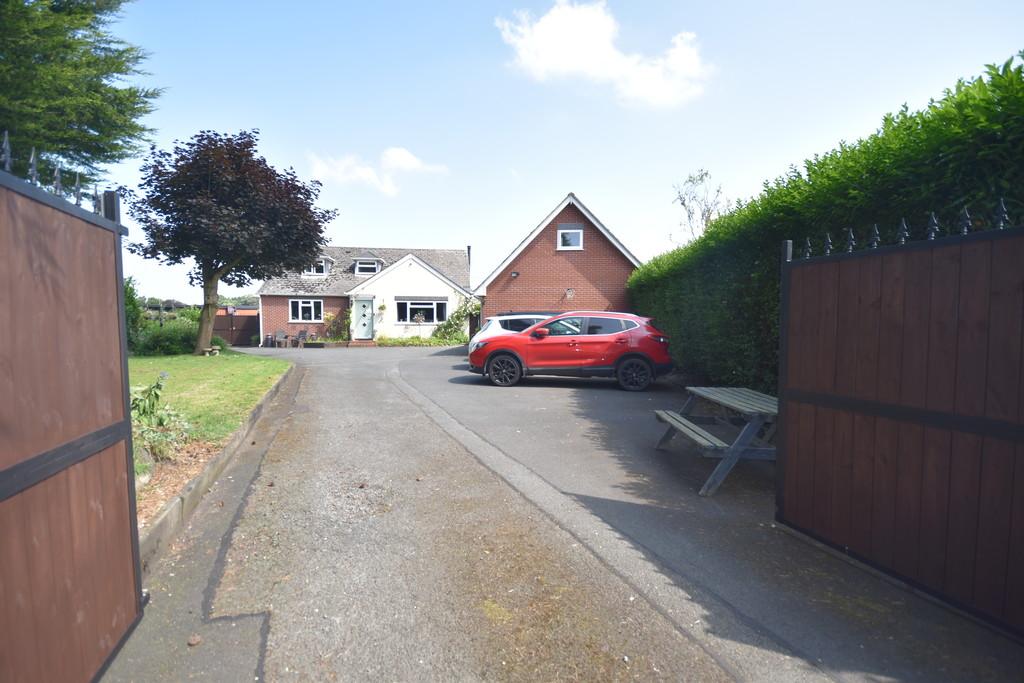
<point x="362" y="319"/>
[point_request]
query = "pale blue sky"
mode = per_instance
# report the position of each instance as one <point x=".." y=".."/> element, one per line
<point x="490" y="124"/>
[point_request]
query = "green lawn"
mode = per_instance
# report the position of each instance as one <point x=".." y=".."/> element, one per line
<point x="215" y="394"/>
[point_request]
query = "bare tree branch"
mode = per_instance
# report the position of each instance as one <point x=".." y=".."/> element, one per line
<point x="701" y="202"/>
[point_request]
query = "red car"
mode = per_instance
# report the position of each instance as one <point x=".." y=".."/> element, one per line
<point x="577" y="344"/>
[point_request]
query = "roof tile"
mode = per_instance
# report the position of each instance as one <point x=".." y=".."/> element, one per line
<point x="453" y="263"/>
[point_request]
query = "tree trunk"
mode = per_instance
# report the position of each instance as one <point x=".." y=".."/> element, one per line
<point x="208" y="314"/>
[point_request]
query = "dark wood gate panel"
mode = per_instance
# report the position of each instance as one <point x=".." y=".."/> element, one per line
<point x="237" y="330"/>
<point x="902" y="413"/>
<point x="69" y="572"/>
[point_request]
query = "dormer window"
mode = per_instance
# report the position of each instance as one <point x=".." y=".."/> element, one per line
<point x="318" y="268"/>
<point x="367" y="267"/>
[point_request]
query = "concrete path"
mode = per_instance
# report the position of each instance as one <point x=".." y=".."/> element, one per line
<point x="355" y="538"/>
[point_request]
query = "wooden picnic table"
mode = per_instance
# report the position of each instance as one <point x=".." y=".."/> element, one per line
<point x="756" y="412"/>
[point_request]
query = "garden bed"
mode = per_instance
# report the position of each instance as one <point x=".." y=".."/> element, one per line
<point x="214" y="395"/>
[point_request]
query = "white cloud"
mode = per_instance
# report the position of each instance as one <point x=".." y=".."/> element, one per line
<point x="352" y="169"/>
<point x="578" y="40"/>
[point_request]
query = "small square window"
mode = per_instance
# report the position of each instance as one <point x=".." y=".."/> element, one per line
<point x="570" y="240"/>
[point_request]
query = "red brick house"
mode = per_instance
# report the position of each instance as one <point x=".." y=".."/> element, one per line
<point x="570" y="261"/>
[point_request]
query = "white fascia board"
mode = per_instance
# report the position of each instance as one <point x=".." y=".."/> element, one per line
<point x="481" y="289"/>
<point x="422" y="264"/>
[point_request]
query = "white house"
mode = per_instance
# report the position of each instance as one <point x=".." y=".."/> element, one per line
<point x="390" y="292"/>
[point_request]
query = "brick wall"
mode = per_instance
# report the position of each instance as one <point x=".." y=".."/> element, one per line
<point x="275" y="314"/>
<point x="597" y="274"/>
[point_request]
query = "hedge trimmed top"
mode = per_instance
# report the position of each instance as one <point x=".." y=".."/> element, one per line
<point x="718" y="297"/>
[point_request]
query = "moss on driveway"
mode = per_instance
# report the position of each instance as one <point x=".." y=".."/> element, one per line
<point x="216" y="393"/>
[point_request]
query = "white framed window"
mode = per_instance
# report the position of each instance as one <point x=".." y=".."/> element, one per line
<point x="305" y="310"/>
<point x="431" y="311"/>
<point x="367" y="267"/>
<point x="570" y="239"/>
<point x="319" y="267"/>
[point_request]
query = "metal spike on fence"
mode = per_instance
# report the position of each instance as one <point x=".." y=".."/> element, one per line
<point x="5" y="153"/>
<point x="903" y="233"/>
<point x="875" y="237"/>
<point x="58" y="188"/>
<point x="851" y="241"/>
<point x="807" y="248"/>
<point x="33" y="172"/>
<point x="933" y="226"/>
<point x="828" y="244"/>
<point x="965" y="221"/>
<point x="78" y="190"/>
<point x="97" y="207"/>
<point x="1002" y="218"/>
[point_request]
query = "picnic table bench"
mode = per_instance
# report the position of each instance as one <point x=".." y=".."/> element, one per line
<point x="757" y="413"/>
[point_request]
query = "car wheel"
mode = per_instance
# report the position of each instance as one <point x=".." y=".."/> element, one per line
<point x="634" y="374"/>
<point x="504" y="370"/>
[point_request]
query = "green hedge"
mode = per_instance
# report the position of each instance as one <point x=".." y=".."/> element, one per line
<point x="174" y="337"/>
<point x="456" y="340"/>
<point x="718" y="297"/>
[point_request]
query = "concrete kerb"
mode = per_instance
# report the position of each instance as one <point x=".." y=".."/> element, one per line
<point x="172" y="517"/>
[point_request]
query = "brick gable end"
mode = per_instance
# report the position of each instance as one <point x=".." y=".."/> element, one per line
<point x="596" y="275"/>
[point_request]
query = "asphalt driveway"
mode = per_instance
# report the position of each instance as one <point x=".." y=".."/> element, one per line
<point x="751" y="592"/>
<point x="396" y="518"/>
<point x="353" y="538"/>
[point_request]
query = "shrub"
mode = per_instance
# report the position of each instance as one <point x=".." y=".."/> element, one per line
<point x="172" y="338"/>
<point x="416" y="341"/>
<point x="453" y="330"/>
<point x="190" y="313"/>
<point x="133" y="314"/>
<point x="157" y="430"/>
<point x="337" y="327"/>
<point x="718" y="297"/>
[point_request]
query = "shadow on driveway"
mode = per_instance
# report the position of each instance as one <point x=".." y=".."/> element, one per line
<point x="595" y="443"/>
<point x="834" y="614"/>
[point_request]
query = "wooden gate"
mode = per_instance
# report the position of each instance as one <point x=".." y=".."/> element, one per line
<point x="70" y="589"/>
<point x="902" y="412"/>
<point x="237" y="328"/>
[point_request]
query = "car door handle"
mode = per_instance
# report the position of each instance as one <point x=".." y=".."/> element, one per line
<point x="621" y="341"/>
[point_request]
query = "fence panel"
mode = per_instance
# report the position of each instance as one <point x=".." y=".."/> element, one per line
<point x="70" y="589"/>
<point x="237" y="330"/>
<point x="902" y="412"/>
